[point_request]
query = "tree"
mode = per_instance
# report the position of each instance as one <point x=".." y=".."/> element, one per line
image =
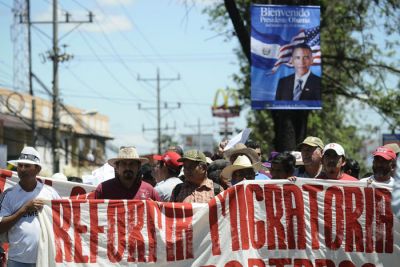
<point x="357" y="65"/>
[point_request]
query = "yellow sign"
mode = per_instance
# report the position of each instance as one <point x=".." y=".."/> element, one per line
<point x="225" y="110"/>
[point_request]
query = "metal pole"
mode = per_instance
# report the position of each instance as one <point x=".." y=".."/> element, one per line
<point x="33" y="102"/>
<point x="158" y="113"/>
<point x="56" y="104"/>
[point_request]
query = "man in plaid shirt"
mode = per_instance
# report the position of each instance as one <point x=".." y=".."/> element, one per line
<point x="196" y="188"/>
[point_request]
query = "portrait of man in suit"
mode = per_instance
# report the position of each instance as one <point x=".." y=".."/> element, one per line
<point x="303" y="84"/>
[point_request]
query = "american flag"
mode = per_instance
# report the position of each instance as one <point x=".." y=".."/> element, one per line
<point x="309" y="36"/>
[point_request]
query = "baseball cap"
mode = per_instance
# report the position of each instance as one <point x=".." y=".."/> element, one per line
<point x="393" y="146"/>
<point x="336" y="147"/>
<point x="194" y="155"/>
<point x="170" y="158"/>
<point x="385" y="152"/>
<point x="312" y="141"/>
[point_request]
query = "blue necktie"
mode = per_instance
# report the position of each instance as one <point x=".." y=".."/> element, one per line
<point x="297" y="90"/>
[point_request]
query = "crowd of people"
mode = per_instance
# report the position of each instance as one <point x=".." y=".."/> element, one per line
<point x="192" y="176"/>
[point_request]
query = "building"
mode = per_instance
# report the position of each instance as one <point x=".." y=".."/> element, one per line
<point x="83" y="134"/>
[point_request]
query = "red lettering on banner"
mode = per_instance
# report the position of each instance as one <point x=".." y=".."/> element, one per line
<point x="78" y="229"/>
<point x="346" y="264"/>
<point x="76" y="192"/>
<point x="293" y="195"/>
<point x="384" y="221"/>
<point x="256" y="228"/>
<point x="61" y="225"/>
<point x="354" y="206"/>
<point x="2" y="184"/>
<point x="313" y="203"/>
<point x="95" y="229"/>
<point x="152" y="208"/>
<point x="233" y="264"/>
<point x="369" y="218"/>
<point x="333" y="240"/>
<point x="280" y="262"/>
<point x="274" y="212"/>
<point x="324" y="263"/>
<point x="255" y="263"/>
<point x="183" y="227"/>
<point x="135" y="226"/>
<point x="233" y="219"/>
<point x="178" y="224"/>
<point x="302" y="263"/>
<point x="213" y="219"/>
<point x="244" y="231"/>
<point x="116" y="224"/>
<point x="4" y="175"/>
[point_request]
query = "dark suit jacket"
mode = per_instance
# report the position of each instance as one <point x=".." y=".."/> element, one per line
<point x="311" y="90"/>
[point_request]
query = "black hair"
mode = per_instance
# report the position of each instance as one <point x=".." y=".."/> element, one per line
<point x="302" y="46"/>
<point x="287" y="160"/>
<point x="352" y="167"/>
<point x="252" y="144"/>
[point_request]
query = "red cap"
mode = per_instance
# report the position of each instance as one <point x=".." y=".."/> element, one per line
<point x="385" y="153"/>
<point x="170" y="158"/>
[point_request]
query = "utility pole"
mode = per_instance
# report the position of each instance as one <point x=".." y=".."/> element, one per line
<point x="55" y="140"/>
<point x="158" y="80"/>
<point x="33" y="101"/>
<point x="199" y="126"/>
<point x="56" y="57"/>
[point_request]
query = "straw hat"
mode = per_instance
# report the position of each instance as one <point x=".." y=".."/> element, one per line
<point x="127" y="153"/>
<point x="242" y="149"/>
<point x="29" y="155"/>
<point x="242" y="162"/>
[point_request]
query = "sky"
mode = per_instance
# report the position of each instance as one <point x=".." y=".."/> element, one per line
<point x="130" y="38"/>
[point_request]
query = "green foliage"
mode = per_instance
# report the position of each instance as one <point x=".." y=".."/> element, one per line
<point x="359" y="39"/>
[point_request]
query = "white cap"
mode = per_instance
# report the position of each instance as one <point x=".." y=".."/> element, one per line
<point x="336" y="147"/>
<point x="59" y="176"/>
<point x="29" y="155"/>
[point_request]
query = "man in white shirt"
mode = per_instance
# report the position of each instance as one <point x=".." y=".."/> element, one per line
<point x="19" y="207"/>
<point x="167" y="171"/>
<point x="383" y="165"/>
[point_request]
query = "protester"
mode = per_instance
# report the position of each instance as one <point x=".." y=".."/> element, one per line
<point x="127" y="183"/>
<point x="214" y="172"/>
<point x="196" y="188"/>
<point x="146" y="174"/>
<point x="240" y="149"/>
<point x="311" y="153"/>
<point x="241" y="169"/>
<point x="20" y="206"/>
<point x="219" y="152"/>
<point x="352" y="168"/>
<point x="396" y="149"/>
<point x="256" y="146"/>
<point x="383" y="166"/>
<point x="333" y="160"/>
<point x="177" y="149"/>
<point x="167" y="171"/>
<point x="283" y="166"/>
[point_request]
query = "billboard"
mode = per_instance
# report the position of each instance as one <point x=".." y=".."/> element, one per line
<point x="285" y="57"/>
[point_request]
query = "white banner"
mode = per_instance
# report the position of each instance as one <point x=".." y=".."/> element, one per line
<point x="65" y="189"/>
<point x="258" y="223"/>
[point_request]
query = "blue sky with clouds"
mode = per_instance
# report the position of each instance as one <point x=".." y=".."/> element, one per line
<point x="130" y="38"/>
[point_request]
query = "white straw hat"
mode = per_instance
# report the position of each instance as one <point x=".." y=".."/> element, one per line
<point x="29" y="155"/>
<point x="127" y="153"/>
<point x="241" y="162"/>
